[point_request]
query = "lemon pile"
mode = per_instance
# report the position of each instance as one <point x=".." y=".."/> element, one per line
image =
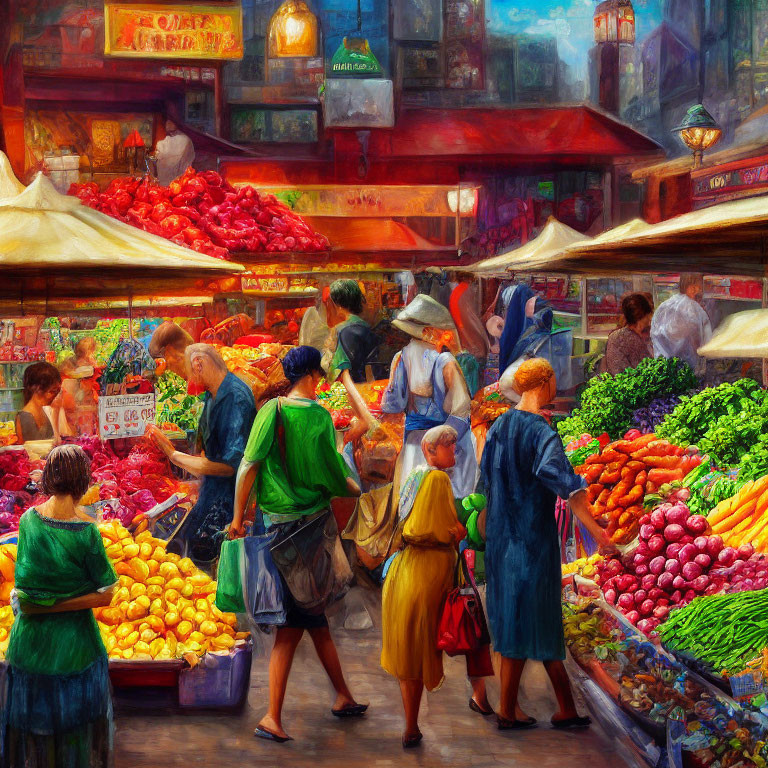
<point x="584" y="566"/>
<point x="163" y="606"/>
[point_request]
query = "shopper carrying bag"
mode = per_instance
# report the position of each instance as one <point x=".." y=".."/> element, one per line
<point x="292" y="464"/>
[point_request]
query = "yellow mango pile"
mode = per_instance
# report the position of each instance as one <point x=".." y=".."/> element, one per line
<point x="7" y="566"/>
<point x="163" y="606"/>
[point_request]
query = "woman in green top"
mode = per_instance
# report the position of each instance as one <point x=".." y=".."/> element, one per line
<point x="289" y="489"/>
<point x="59" y="706"/>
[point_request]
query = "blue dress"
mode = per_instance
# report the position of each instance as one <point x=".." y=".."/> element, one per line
<point x="524" y="469"/>
<point x="225" y="425"/>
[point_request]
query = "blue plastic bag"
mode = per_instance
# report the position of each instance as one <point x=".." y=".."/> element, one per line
<point x="263" y="586"/>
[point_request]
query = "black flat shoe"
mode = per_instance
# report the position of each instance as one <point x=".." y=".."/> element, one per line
<point x="475" y="707"/>
<point x="409" y="742"/>
<point x="264" y="733"/>
<point x="515" y="725"/>
<point x="572" y="723"/>
<point x="356" y="710"/>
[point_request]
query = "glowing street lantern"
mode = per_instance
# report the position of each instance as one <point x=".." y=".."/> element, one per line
<point x="293" y="31"/>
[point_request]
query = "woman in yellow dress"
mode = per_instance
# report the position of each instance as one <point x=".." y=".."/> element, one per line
<point x="420" y="578"/>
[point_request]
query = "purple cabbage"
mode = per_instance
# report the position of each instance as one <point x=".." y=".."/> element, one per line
<point x="648" y="418"/>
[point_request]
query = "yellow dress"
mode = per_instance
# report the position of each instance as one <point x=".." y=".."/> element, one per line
<point x="417" y="584"/>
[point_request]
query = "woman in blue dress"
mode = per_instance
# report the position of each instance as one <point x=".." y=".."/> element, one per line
<point x="524" y="470"/>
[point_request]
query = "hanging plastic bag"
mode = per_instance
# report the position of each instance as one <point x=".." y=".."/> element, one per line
<point x="263" y="587"/>
<point x="229" y="586"/>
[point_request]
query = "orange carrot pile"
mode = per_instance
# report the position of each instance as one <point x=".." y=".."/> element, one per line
<point x="743" y="519"/>
<point x="622" y="474"/>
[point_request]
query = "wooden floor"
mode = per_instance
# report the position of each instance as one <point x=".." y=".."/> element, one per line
<point x="453" y="735"/>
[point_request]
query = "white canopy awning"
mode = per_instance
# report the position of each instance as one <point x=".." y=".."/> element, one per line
<point x="726" y="239"/>
<point x="743" y="334"/>
<point x="553" y="239"/>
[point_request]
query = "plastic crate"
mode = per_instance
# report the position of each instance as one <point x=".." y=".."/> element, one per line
<point x="219" y="681"/>
<point x="746" y="685"/>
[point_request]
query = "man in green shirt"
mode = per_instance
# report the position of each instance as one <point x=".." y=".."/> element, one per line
<point x="292" y="462"/>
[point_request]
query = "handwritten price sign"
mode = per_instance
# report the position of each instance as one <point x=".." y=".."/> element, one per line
<point x="125" y="415"/>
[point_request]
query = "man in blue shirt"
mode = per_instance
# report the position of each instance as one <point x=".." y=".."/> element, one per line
<point x="225" y="425"/>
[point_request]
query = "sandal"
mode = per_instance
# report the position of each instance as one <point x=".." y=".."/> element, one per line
<point x="355" y="710"/>
<point x="572" y="723"/>
<point x="264" y="733"/>
<point x="475" y="707"/>
<point x="515" y="725"/>
<point x="409" y="742"/>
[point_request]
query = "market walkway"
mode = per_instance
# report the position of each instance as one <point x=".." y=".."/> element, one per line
<point x="453" y="735"/>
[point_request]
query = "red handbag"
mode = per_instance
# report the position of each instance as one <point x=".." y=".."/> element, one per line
<point x="462" y="628"/>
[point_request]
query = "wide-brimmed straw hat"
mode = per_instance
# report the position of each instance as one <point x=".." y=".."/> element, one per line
<point x="424" y="312"/>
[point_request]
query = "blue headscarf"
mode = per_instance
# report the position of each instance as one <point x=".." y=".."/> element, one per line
<point x="514" y="324"/>
<point x="300" y="362"/>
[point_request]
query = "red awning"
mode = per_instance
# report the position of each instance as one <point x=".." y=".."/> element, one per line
<point x="520" y="132"/>
<point x="443" y="140"/>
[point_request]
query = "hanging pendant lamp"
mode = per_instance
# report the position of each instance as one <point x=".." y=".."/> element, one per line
<point x="293" y="31"/>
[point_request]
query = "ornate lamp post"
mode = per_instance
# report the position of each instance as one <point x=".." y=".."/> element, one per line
<point x="699" y="132"/>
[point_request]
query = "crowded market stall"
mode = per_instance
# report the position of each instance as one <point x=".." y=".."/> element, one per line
<point x="667" y="632"/>
<point x="162" y="629"/>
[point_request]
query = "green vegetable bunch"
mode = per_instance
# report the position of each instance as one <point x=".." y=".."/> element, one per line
<point x="754" y="463"/>
<point x="724" y="631"/>
<point x="708" y="488"/>
<point x="175" y="406"/>
<point x="724" y="421"/>
<point x="607" y="402"/>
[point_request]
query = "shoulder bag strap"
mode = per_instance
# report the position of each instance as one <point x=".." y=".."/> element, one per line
<point x="280" y="437"/>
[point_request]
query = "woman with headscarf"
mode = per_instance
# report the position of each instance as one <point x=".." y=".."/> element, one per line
<point x="517" y="319"/>
<point x="427" y="384"/>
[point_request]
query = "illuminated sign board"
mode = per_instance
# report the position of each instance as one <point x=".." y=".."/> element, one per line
<point x="150" y="31"/>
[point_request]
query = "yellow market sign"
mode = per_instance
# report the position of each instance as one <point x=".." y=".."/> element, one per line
<point x="150" y="31"/>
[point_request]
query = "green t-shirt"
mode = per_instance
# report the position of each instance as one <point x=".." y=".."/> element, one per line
<point x="57" y="560"/>
<point x="316" y="472"/>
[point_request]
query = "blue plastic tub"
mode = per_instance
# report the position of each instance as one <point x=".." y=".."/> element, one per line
<point x="218" y="681"/>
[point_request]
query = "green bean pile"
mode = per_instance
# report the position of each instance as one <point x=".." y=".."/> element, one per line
<point x="724" y="631"/>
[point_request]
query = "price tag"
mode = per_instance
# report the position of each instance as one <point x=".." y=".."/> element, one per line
<point x="125" y="415"/>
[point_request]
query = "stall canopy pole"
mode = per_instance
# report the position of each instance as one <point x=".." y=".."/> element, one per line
<point x="765" y="305"/>
<point x="130" y="316"/>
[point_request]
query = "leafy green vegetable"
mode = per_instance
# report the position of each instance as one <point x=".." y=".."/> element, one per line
<point x="175" y="405"/>
<point x="725" y="421"/>
<point x="754" y="464"/>
<point x="607" y="402"/>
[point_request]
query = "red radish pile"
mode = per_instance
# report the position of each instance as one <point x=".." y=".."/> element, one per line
<point x="748" y="571"/>
<point x="674" y="562"/>
<point x="205" y="212"/>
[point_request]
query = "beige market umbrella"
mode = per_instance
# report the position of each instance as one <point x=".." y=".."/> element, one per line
<point x="53" y="245"/>
<point x="553" y="239"/>
<point x="743" y="334"/>
<point x="10" y="186"/>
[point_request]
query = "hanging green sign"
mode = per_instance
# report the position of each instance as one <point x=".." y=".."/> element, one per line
<point x="355" y="57"/>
